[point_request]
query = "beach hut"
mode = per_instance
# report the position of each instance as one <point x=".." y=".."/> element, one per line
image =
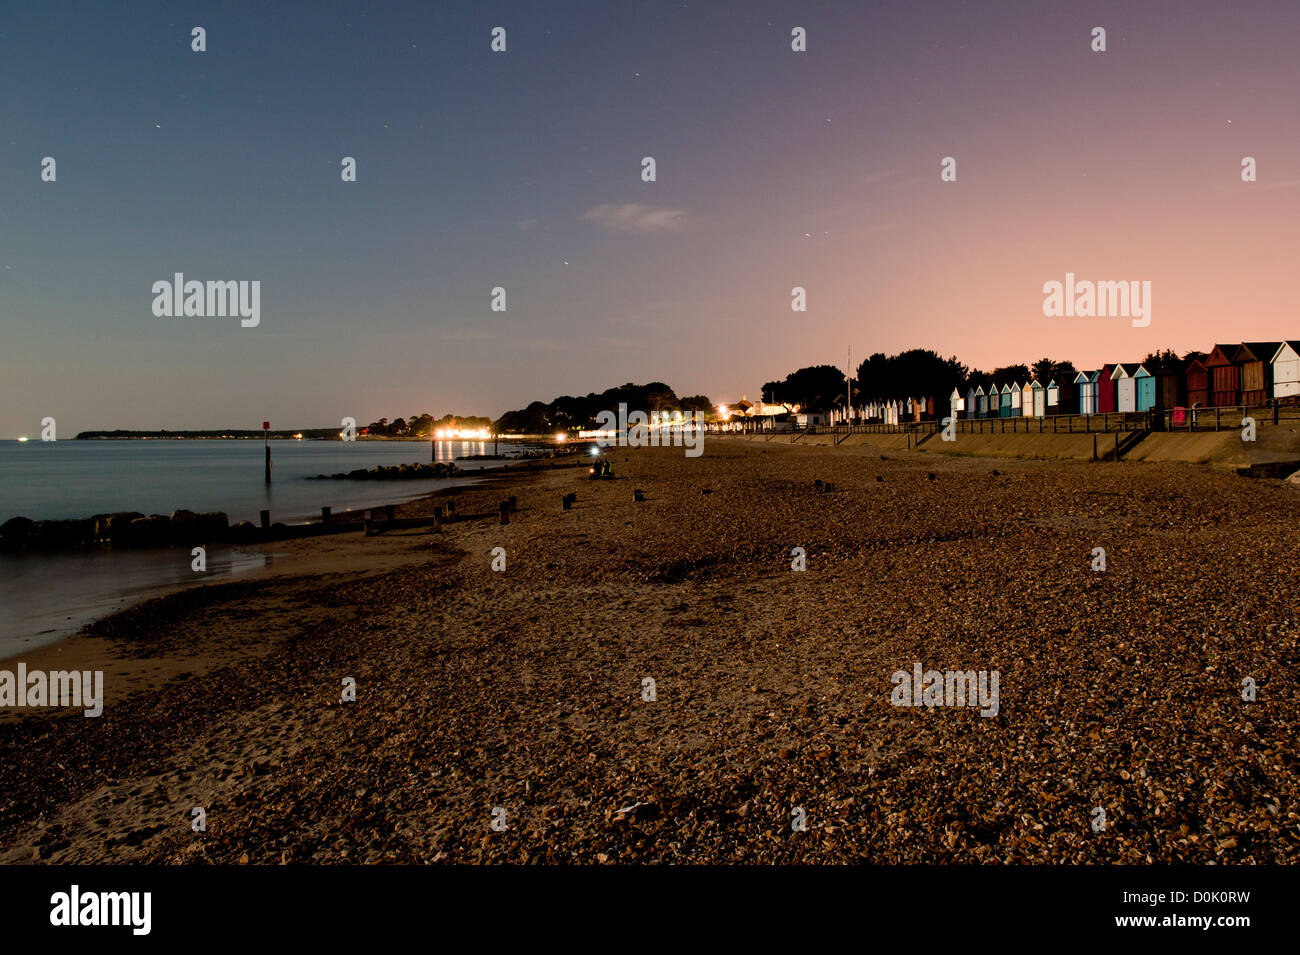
<point x="1197" y="377"/>
<point x="1106" y="390"/>
<point x="1256" y="361"/>
<point x="1169" y="390"/>
<point x="981" y="403"/>
<point x="970" y="401"/>
<point x="1039" y="399"/>
<point x="995" y="401"/>
<point x="1086" y="384"/>
<point x="1061" y="397"/>
<point x="1145" y="383"/>
<point x="1225" y="376"/>
<point x="1027" y="399"/>
<point x="956" y="402"/>
<point x="1286" y="372"/>
<point x="1125" y="387"/>
<point x="1010" y="401"/>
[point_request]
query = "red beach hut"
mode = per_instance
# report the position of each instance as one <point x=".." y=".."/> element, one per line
<point x="1198" y="384"/>
<point x="1225" y="376"/>
<point x="1106" y="390"/>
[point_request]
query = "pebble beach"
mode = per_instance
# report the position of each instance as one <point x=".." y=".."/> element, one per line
<point x="503" y="716"/>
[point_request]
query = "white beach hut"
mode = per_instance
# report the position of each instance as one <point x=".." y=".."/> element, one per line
<point x="1286" y="372"/>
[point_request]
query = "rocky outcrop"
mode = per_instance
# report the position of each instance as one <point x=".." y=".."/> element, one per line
<point x="394" y="473"/>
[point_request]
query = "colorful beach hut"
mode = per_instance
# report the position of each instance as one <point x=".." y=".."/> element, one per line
<point x="1225" y="376"/>
<point x="1086" y="384"/>
<point x="995" y="401"/>
<point x="1197" y="377"/>
<point x="1256" y="361"/>
<point x="981" y="403"/>
<point x="1145" y="384"/>
<point x="1037" y="398"/>
<point x="956" y="403"/>
<point x="1125" y="387"/>
<point x="970" y="401"/>
<point x="1106" y="390"/>
<point x="1010" y="400"/>
<point x="1286" y="372"/>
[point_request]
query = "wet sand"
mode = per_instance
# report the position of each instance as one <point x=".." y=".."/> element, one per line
<point x="522" y="689"/>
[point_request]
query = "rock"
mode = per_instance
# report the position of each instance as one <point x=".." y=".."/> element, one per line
<point x="62" y="534"/>
<point x="110" y="526"/>
<point x="148" y="531"/>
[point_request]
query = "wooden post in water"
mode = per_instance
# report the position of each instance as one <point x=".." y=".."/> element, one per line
<point x="324" y="515"/>
<point x="368" y="523"/>
<point x="266" y="445"/>
<point x="266" y="519"/>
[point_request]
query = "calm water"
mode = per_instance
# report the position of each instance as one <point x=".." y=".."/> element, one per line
<point x="45" y="480"/>
<point x="44" y="597"/>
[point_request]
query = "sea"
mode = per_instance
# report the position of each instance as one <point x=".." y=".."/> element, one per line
<point x="45" y="597"/>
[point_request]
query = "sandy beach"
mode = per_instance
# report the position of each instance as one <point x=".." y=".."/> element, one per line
<point x="522" y="690"/>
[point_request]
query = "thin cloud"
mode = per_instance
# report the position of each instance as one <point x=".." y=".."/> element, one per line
<point x="635" y="217"/>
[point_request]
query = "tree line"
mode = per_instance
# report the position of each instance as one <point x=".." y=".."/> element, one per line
<point x="921" y="372"/>
<point x="574" y="413"/>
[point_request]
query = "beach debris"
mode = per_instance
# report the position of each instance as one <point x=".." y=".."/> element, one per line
<point x="638" y="495"/>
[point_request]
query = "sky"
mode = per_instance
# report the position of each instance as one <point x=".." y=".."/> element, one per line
<point x="523" y="170"/>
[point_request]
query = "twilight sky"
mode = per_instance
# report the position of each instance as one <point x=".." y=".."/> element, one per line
<point x="523" y="170"/>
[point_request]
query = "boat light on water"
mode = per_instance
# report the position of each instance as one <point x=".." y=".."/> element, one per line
<point x="22" y="437"/>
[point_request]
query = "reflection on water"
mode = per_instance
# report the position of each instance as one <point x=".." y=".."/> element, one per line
<point x="49" y="596"/>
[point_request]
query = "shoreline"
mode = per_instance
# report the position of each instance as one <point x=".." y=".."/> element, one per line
<point x="350" y="522"/>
